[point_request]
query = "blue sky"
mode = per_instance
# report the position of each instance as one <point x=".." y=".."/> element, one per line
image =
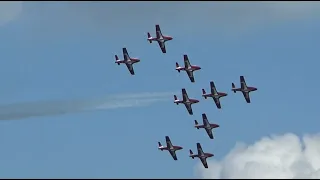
<point x="62" y="50"/>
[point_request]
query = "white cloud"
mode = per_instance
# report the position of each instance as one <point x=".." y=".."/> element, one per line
<point x="275" y="157"/>
<point x="9" y="11"/>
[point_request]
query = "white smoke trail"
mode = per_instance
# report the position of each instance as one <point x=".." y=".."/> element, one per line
<point x="51" y="108"/>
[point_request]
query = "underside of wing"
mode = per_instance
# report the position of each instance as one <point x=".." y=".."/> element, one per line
<point x="125" y="54"/>
<point x="173" y="154"/>
<point x="189" y="108"/>
<point x="199" y="148"/>
<point x="213" y="88"/>
<point x="186" y="61"/>
<point x="162" y="47"/>
<point x="204" y="162"/>
<point x="217" y="101"/>
<point x="190" y="74"/>
<point x="205" y="119"/>
<point x="243" y="82"/>
<point x="168" y="141"/>
<point x="130" y="68"/>
<point x="158" y="31"/>
<point x="184" y="95"/>
<point x="209" y="132"/>
<point x="246" y="96"/>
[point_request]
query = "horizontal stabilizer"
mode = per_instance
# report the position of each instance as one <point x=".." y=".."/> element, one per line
<point x="191" y="153"/>
<point x="149" y="36"/>
<point x="203" y="93"/>
<point x="196" y="123"/>
<point x="117" y="59"/>
<point x="175" y="98"/>
<point x="233" y="86"/>
<point x="177" y="66"/>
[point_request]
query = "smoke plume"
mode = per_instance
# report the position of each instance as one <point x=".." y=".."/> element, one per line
<point x="51" y="108"/>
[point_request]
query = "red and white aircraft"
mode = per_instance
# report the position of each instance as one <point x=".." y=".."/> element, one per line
<point x="171" y="148"/>
<point x="201" y="155"/>
<point x="214" y="94"/>
<point x="161" y="39"/>
<point x="127" y="60"/>
<point x="187" y="67"/>
<point x="206" y="125"/>
<point x="244" y="89"/>
<point x="186" y="101"/>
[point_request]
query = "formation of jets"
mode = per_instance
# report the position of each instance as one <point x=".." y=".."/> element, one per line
<point x="214" y="94"/>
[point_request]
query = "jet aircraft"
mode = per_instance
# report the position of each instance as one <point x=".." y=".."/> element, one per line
<point x="160" y="38"/>
<point x="186" y="101"/>
<point x="187" y="67"/>
<point x="206" y="125"/>
<point x="214" y="94"/>
<point x="244" y="89"/>
<point x="127" y="60"/>
<point x="201" y="155"/>
<point x="171" y="148"/>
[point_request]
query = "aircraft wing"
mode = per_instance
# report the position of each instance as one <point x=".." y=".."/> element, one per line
<point x="217" y="101"/>
<point x="168" y="141"/>
<point x="200" y="151"/>
<point x="205" y="119"/>
<point x="125" y="54"/>
<point x="184" y="95"/>
<point x="204" y="162"/>
<point x="173" y="154"/>
<point x="246" y="96"/>
<point x="209" y="132"/>
<point x="243" y="82"/>
<point x="213" y="88"/>
<point x="190" y="74"/>
<point x="158" y="31"/>
<point x="186" y="61"/>
<point x="162" y="46"/>
<point x="130" y="68"/>
<point x="189" y="108"/>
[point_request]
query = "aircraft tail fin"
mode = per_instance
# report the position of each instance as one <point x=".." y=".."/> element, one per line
<point x="175" y="98"/>
<point x="177" y="66"/>
<point x="233" y="87"/>
<point x="149" y="36"/>
<point x="203" y="93"/>
<point x="191" y="153"/>
<point x="117" y="59"/>
<point x="196" y="123"/>
<point x="160" y="145"/>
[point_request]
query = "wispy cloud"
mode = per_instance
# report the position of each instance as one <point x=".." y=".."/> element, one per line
<point x="9" y="11"/>
<point x="189" y="16"/>
<point x="276" y="157"/>
<point x="50" y="108"/>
